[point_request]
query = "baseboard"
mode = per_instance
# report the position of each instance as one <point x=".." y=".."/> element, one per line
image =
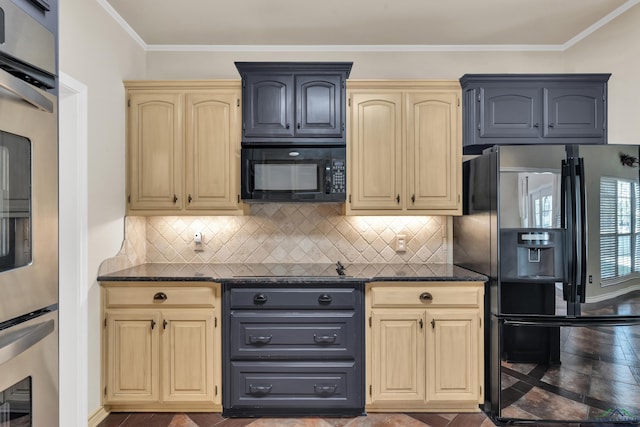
<point x="98" y="416"/>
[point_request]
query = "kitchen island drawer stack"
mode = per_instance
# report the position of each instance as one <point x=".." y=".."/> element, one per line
<point x="293" y="349"/>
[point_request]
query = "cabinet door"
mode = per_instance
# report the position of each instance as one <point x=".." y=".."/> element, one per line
<point x="212" y="149"/>
<point x="376" y="151"/>
<point x="268" y="106"/>
<point x="452" y="355"/>
<point x="397" y="356"/>
<point x="319" y="106"/>
<point x="574" y="112"/>
<point x="188" y="356"/>
<point x="433" y="150"/>
<point x="132" y="370"/>
<point x="510" y="112"/>
<point x="155" y="150"/>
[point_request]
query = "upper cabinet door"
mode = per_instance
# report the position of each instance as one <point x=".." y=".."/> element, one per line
<point x="376" y="151"/>
<point x="433" y="147"/>
<point x="155" y="150"/>
<point x="575" y="112"/>
<point x="319" y="106"/>
<point x="212" y="133"/>
<point x="268" y="105"/>
<point x="510" y="112"/>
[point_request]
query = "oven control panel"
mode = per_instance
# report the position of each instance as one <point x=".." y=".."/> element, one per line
<point x="338" y="176"/>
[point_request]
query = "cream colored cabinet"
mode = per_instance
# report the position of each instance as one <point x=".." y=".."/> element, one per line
<point x="183" y="147"/>
<point x="161" y="346"/>
<point x="405" y="148"/>
<point x="424" y="346"/>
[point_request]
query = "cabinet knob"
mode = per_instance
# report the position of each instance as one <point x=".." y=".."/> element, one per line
<point x="260" y="299"/>
<point x="426" y="296"/>
<point x="325" y="389"/>
<point x="398" y="199"/>
<point x="260" y="389"/>
<point x="536" y="125"/>
<point x="175" y="198"/>
<point x="413" y="198"/>
<point x="260" y="339"/>
<point x="551" y="125"/>
<point x="287" y="126"/>
<point x="160" y="296"/>
<point x="189" y="199"/>
<point x="298" y="125"/>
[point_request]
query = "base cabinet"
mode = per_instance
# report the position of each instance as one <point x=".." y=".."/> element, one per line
<point x="161" y="348"/>
<point x="424" y="346"/>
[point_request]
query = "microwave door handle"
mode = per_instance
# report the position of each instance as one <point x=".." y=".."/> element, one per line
<point x="25" y="91"/>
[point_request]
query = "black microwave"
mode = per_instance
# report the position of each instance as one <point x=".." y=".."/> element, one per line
<point x="301" y="174"/>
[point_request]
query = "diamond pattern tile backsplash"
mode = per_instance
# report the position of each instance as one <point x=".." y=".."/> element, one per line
<point x="296" y="233"/>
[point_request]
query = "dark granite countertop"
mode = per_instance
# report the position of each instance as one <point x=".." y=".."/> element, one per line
<point x="291" y="273"/>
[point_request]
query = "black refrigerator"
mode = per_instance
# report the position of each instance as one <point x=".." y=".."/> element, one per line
<point x="556" y="228"/>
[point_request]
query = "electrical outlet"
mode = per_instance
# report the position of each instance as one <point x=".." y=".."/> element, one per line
<point x="198" y="241"/>
<point x="401" y="243"/>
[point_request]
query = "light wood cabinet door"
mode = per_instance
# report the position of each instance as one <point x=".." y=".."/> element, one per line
<point x="433" y="150"/>
<point x="187" y="355"/>
<point x="452" y="355"/>
<point x="212" y="139"/>
<point x="155" y="150"/>
<point x="376" y="150"/>
<point x="132" y="364"/>
<point x="397" y="357"/>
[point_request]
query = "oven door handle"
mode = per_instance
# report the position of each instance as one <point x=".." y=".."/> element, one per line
<point x="15" y="343"/>
<point x="25" y="91"/>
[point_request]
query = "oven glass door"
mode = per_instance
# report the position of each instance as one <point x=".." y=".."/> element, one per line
<point x="15" y="201"/>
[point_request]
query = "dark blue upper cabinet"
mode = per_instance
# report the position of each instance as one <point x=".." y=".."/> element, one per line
<point x="533" y="109"/>
<point x="294" y="102"/>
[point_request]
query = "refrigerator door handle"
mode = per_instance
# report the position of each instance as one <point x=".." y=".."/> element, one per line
<point x="573" y="230"/>
<point x="582" y="283"/>
<point x="563" y="224"/>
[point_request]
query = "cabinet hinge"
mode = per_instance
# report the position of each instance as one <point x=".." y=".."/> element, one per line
<point x="458" y="102"/>
<point x="129" y="102"/>
<point x="105" y="391"/>
<point x="238" y="198"/>
<point x="480" y="390"/>
<point x="349" y="102"/>
<point x="370" y="390"/>
<point x="481" y="322"/>
<point x="343" y="127"/>
<point x="349" y="198"/>
<point x="479" y="97"/>
<point x="129" y="198"/>
<point x="458" y="198"/>
<point x="238" y="102"/>
<point x="343" y="84"/>
<point x="105" y="322"/>
<point x="370" y="321"/>
<point x="215" y="390"/>
<point x="215" y="322"/>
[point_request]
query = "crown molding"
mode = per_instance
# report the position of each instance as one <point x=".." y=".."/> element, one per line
<point x="369" y="48"/>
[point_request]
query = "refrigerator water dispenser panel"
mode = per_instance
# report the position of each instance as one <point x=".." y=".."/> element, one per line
<point x="532" y="254"/>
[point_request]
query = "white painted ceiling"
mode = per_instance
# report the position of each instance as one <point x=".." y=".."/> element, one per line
<point x="470" y="23"/>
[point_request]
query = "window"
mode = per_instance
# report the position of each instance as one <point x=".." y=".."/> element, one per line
<point x="619" y="228"/>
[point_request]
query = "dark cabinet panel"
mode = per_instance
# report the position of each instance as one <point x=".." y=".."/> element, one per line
<point x="294" y="102"/>
<point x="533" y="109"/>
<point x="268" y="102"/>
<point x="283" y="298"/>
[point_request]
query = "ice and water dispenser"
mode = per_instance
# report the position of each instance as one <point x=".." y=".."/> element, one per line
<point x="532" y="254"/>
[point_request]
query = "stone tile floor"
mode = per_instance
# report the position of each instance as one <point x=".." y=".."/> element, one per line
<point x="370" y="420"/>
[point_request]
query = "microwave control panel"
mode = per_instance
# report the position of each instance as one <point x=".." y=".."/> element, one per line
<point x="338" y="176"/>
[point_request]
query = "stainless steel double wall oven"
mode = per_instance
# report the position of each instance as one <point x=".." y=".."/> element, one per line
<point x="28" y="214"/>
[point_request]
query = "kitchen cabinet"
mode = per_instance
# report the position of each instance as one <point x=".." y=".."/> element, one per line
<point x="424" y="346"/>
<point x="533" y="109"/>
<point x="284" y="101"/>
<point x="161" y="346"/>
<point x="404" y="155"/>
<point x="183" y="148"/>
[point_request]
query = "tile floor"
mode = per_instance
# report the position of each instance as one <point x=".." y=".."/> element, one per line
<point x="370" y="420"/>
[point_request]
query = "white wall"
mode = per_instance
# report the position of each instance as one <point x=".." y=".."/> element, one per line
<point x="615" y="49"/>
<point x="95" y="51"/>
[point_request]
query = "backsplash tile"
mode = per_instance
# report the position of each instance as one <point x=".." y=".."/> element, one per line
<point x="281" y="233"/>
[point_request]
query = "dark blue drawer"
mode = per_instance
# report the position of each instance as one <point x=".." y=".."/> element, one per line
<point x="311" y="334"/>
<point x="295" y="385"/>
<point x="293" y="299"/>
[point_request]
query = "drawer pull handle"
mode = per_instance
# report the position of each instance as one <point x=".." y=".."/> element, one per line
<point x="260" y="389"/>
<point x="426" y="296"/>
<point x="160" y="296"/>
<point x="324" y="299"/>
<point x="325" y="389"/>
<point x="260" y="339"/>
<point x="325" y="338"/>
<point x="260" y="299"/>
